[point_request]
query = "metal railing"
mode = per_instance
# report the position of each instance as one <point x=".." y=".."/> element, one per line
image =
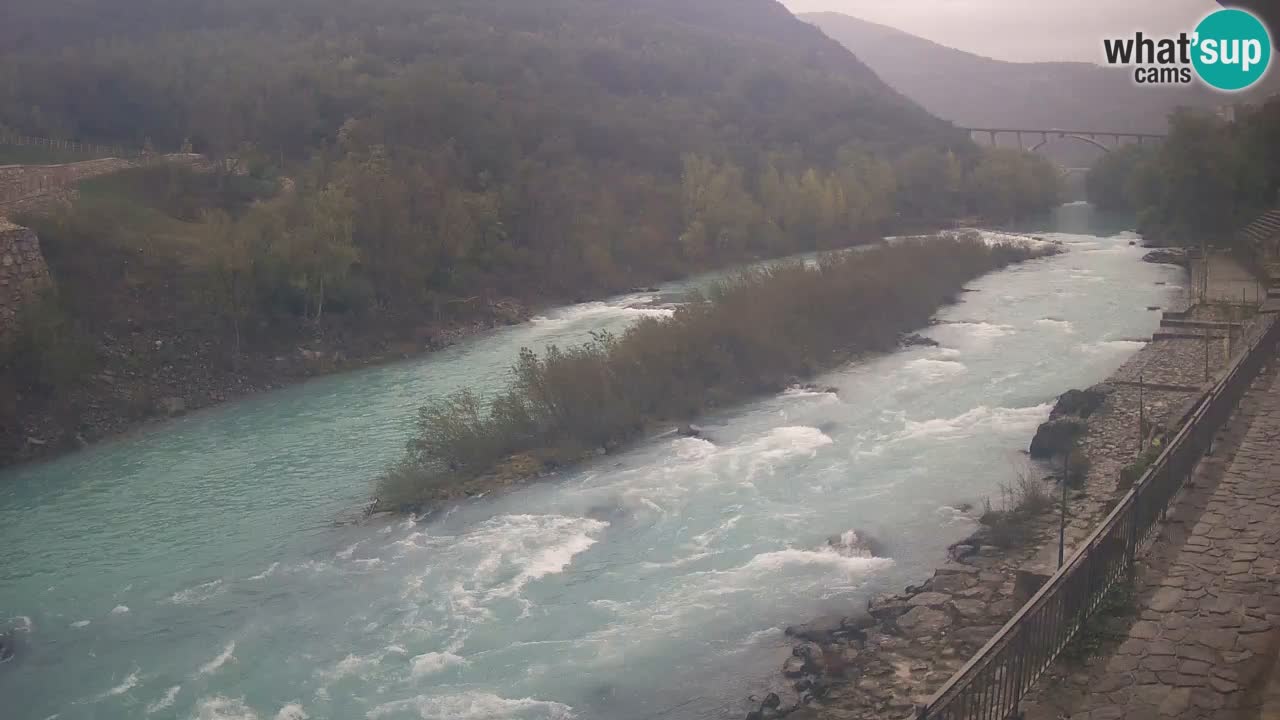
<point x="992" y="684"/>
<point x="70" y="146"/>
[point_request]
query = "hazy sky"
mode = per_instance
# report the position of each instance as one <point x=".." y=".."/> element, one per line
<point x="1023" y="30"/>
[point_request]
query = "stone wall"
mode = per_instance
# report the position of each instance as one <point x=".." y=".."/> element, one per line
<point x="19" y="182"/>
<point x="23" y="272"/>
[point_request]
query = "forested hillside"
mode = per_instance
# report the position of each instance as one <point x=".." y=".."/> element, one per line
<point x="1202" y="185"/>
<point x="404" y="165"/>
<point x="542" y="123"/>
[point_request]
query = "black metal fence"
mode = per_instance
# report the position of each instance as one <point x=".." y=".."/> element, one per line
<point x="992" y="684"/>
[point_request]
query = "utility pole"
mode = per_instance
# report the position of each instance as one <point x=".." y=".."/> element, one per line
<point x="1142" y="416"/>
<point x="1206" y="354"/>
<point x="1062" y="521"/>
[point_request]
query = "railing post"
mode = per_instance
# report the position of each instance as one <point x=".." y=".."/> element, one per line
<point x="1131" y="551"/>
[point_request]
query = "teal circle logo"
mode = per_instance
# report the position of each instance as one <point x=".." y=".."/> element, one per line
<point x="1232" y="49"/>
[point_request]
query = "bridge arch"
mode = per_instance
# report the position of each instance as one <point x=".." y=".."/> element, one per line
<point x="1065" y="136"/>
<point x="1047" y="134"/>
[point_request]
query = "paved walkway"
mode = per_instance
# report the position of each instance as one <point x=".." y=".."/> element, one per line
<point x="1208" y="592"/>
<point x="1229" y="281"/>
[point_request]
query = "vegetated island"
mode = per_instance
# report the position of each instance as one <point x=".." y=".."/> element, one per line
<point x="751" y="334"/>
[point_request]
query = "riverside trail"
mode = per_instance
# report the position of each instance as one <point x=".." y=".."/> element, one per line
<point x="195" y="569"/>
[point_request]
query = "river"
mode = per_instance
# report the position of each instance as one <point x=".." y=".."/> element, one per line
<point x="196" y="569"/>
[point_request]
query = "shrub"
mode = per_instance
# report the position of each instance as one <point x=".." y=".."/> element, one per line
<point x="1132" y="472"/>
<point x="1009" y="523"/>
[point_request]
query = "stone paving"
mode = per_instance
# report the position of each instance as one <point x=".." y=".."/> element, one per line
<point x="1229" y="281"/>
<point x="1208" y="623"/>
<point x="1176" y="362"/>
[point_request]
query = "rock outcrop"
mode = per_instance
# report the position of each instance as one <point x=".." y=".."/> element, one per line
<point x="1066" y="422"/>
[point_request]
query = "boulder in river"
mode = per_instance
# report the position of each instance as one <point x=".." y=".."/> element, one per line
<point x="689" y="430"/>
<point x="8" y="647"/>
<point x="1066" y="423"/>
<point x="1166" y="256"/>
<point x="1056" y="437"/>
<point x="1079" y="403"/>
<point x="856" y="543"/>
<point x="917" y="340"/>
<point x="819" y="631"/>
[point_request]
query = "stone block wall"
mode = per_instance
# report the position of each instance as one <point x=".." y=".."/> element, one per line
<point x="19" y="182"/>
<point x="23" y="272"/>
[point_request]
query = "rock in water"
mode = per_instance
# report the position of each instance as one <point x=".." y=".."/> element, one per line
<point x="856" y="543"/>
<point x="819" y="631"/>
<point x="1056" y="437"/>
<point x="1066" y="421"/>
<point x="1079" y="403"/>
<point x="690" y="430"/>
<point x="916" y="339"/>
<point x="1166" y="256"/>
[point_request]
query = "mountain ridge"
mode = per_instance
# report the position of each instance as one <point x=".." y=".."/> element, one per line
<point x="977" y="91"/>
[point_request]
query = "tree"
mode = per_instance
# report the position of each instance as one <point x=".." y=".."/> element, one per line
<point x="928" y="184"/>
<point x="1011" y="184"/>
<point x="318" y="249"/>
<point x="719" y="214"/>
<point x="1188" y="192"/>
<point x="229" y="258"/>
<point x="1108" y="183"/>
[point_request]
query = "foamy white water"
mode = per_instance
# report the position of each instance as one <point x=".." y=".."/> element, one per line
<point x="651" y="583"/>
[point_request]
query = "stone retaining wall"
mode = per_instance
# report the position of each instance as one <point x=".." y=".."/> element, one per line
<point x="18" y="182"/>
<point x="21" y="183"/>
<point x="23" y="272"/>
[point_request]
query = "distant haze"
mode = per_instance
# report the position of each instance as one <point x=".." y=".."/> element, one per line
<point x="1022" y="30"/>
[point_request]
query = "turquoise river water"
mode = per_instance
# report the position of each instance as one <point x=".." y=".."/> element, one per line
<point x="196" y="570"/>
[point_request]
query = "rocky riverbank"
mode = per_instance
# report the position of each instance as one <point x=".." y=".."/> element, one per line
<point x="883" y="661"/>
<point x="148" y="374"/>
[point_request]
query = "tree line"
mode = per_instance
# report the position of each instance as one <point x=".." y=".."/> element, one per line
<point x="542" y="150"/>
<point x="400" y="162"/>
<point x="1207" y="180"/>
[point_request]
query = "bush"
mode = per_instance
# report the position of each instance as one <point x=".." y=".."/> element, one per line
<point x="1009" y="523"/>
<point x="749" y="335"/>
<point x="1131" y="473"/>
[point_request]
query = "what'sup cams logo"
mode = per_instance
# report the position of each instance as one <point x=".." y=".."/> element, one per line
<point x="1229" y="50"/>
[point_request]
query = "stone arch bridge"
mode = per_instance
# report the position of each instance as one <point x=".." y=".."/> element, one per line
<point x="1034" y="139"/>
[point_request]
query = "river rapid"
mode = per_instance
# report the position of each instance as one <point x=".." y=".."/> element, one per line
<point x="196" y="570"/>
